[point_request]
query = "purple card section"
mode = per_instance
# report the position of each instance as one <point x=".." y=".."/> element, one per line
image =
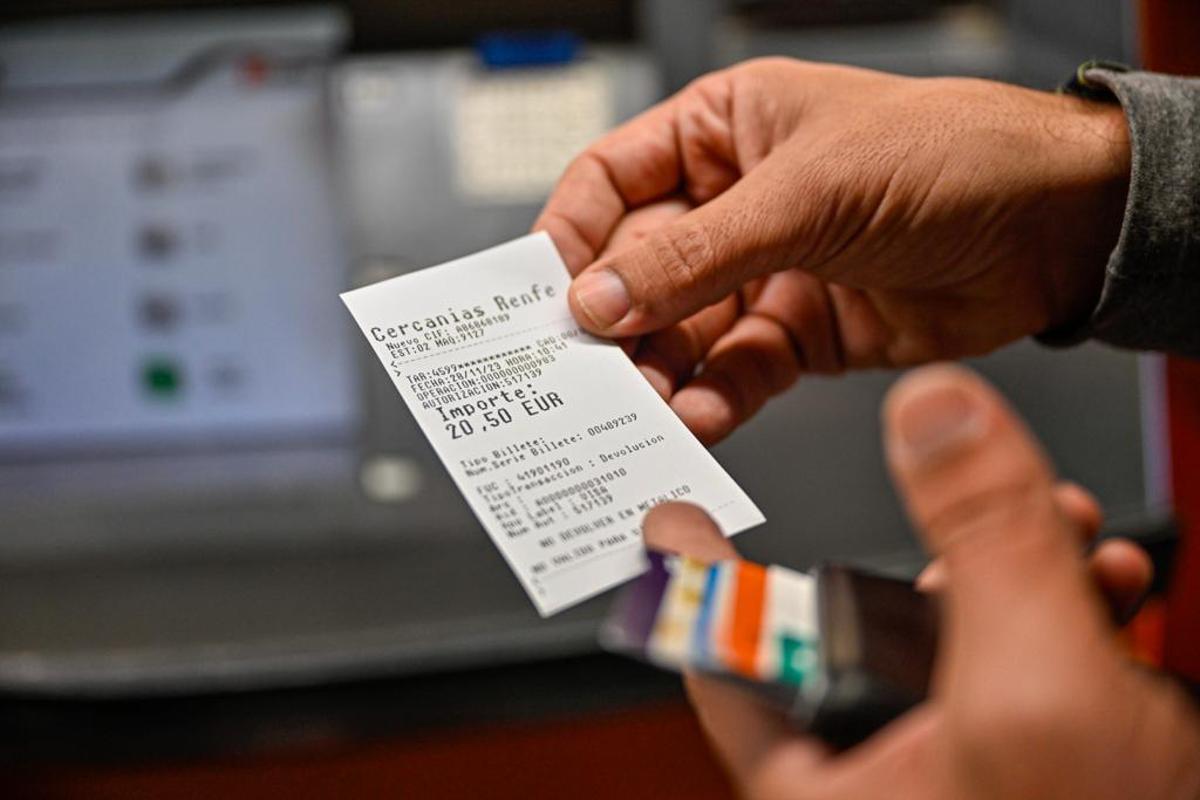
<point x="637" y="608"/>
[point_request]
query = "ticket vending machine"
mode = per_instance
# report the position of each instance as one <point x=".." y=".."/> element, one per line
<point x="206" y="480"/>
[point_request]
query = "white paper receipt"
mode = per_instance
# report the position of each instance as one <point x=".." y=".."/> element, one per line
<point x="558" y="443"/>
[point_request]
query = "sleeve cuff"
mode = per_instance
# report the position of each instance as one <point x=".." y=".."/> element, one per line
<point x="1151" y="294"/>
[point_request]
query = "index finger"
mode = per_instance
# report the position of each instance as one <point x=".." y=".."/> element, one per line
<point x="632" y="165"/>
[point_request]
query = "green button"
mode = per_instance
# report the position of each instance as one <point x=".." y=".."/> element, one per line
<point x="162" y="378"/>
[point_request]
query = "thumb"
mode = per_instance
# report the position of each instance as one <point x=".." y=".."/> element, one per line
<point x="981" y="494"/>
<point x="682" y="267"/>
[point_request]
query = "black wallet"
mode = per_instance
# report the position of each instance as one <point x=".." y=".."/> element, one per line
<point x="878" y="641"/>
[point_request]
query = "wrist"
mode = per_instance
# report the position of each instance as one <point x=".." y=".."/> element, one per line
<point x="1086" y="227"/>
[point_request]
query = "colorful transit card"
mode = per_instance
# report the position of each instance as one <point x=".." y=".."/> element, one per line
<point x="767" y="630"/>
<point x="732" y="618"/>
<point x="557" y="442"/>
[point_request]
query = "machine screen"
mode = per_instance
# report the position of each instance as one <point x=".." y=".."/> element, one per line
<point x="170" y="262"/>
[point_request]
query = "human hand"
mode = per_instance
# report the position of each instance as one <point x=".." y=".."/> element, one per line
<point x="1032" y="697"/>
<point x="1119" y="568"/>
<point x="804" y="218"/>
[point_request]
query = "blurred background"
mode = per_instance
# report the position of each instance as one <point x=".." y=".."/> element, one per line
<point x="228" y="560"/>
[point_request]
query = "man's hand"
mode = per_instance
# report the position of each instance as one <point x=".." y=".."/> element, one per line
<point x="1032" y="697"/>
<point x="779" y="218"/>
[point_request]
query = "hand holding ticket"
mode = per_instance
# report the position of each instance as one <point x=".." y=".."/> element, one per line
<point x="554" y="438"/>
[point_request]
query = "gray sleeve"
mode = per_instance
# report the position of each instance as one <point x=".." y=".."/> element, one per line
<point x="1151" y="294"/>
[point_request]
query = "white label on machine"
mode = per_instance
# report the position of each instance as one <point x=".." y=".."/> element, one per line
<point x="558" y="443"/>
<point x="515" y="131"/>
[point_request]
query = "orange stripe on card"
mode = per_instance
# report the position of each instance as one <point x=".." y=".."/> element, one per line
<point x="746" y="625"/>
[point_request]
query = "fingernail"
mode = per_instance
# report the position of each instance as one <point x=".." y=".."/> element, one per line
<point x="936" y="416"/>
<point x="602" y="296"/>
<point x="932" y="578"/>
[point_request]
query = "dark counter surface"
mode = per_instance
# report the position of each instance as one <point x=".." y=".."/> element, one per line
<point x="55" y="730"/>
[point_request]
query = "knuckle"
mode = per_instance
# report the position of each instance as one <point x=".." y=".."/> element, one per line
<point x="769" y="64"/>
<point x="1004" y="507"/>
<point x="709" y="82"/>
<point x="584" y="161"/>
<point x="683" y="258"/>
<point x="592" y="166"/>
